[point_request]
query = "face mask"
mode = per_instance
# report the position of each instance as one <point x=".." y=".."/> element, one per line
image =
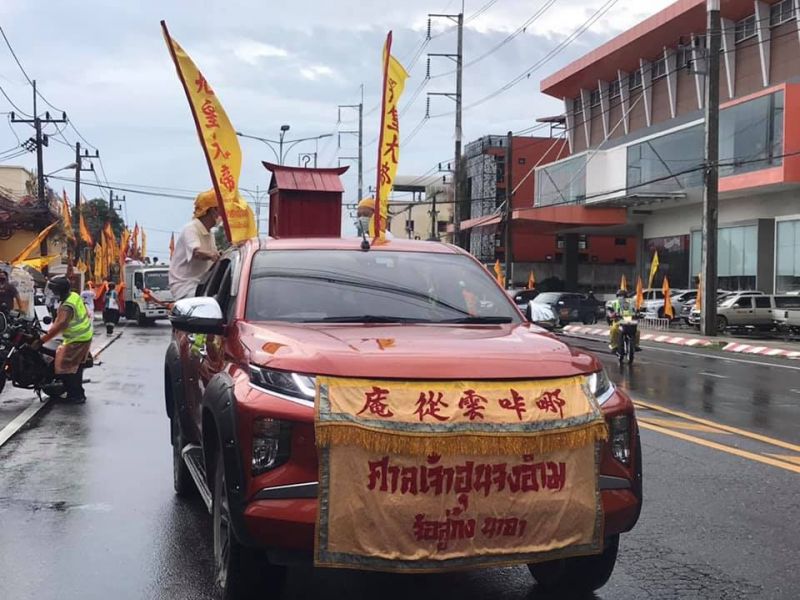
<point x="50" y="299"/>
<point x="363" y="225"/>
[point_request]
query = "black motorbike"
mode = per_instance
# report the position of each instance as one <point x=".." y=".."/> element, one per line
<point x="25" y="367"/>
<point x="626" y="348"/>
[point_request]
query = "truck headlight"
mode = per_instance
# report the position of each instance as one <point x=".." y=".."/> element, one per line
<point x="621" y="438"/>
<point x="295" y="385"/>
<point x="271" y="444"/>
<point x="600" y="386"/>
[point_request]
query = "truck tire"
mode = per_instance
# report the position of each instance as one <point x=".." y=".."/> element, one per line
<point x="141" y="320"/>
<point x="579" y="575"/>
<point x="722" y="324"/>
<point x="240" y="573"/>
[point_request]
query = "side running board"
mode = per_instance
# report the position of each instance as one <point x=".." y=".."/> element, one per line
<point x="193" y="457"/>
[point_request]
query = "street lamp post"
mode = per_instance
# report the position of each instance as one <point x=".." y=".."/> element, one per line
<point x="279" y="154"/>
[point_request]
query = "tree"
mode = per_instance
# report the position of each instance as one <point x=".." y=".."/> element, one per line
<point x="96" y="212"/>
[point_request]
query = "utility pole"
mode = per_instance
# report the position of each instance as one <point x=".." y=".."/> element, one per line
<point x="711" y="192"/>
<point x="360" y="133"/>
<point x="79" y="168"/>
<point x="40" y="141"/>
<point x="458" y="59"/>
<point x="434" y="219"/>
<point x="508" y="211"/>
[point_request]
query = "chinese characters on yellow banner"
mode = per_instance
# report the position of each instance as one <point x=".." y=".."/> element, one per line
<point x="394" y="80"/>
<point x="218" y="138"/>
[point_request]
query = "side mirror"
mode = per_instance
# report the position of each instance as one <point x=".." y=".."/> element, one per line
<point x="197" y="315"/>
<point x="47" y="320"/>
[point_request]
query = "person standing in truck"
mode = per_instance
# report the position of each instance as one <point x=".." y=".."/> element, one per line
<point x="195" y="248"/>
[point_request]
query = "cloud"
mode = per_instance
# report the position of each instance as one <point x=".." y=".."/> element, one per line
<point x="252" y="51"/>
<point x="314" y="72"/>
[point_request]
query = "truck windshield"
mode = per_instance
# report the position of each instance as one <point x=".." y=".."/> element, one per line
<point x="351" y="286"/>
<point x="156" y="280"/>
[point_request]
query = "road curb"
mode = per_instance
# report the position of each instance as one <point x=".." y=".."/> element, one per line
<point x="691" y="342"/>
<point x="36" y="406"/>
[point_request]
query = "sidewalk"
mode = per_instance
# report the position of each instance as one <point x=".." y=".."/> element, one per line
<point x="770" y="347"/>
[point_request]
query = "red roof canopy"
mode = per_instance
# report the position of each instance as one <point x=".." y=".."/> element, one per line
<point x="305" y="179"/>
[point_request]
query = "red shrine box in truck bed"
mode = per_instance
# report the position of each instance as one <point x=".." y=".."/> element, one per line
<point x="305" y="202"/>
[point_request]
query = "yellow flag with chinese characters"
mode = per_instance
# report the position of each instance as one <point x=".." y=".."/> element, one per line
<point x="394" y="80"/>
<point x="653" y="269"/>
<point x="219" y="142"/>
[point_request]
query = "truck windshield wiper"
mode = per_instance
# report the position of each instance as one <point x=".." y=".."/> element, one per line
<point x="478" y="320"/>
<point x="366" y="319"/>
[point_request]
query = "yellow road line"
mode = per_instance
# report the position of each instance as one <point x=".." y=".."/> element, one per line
<point x="723" y="448"/>
<point x="681" y="425"/>
<point x="791" y="459"/>
<point x="719" y="426"/>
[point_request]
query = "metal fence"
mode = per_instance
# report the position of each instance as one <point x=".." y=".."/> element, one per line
<point x="654" y="323"/>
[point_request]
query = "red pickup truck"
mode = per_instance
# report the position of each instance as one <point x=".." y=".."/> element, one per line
<point x="274" y="314"/>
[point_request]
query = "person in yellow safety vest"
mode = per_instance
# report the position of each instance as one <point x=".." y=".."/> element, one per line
<point x="76" y="329"/>
<point x="620" y="308"/>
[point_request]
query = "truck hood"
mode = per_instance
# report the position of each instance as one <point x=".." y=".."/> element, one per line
<point x="414" y="351"/>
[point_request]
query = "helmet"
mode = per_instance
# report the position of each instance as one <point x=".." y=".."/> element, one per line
<point x="622" y="294"/>
<point x="60" y="287"/>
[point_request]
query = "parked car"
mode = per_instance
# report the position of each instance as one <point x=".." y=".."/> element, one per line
<point x="786" y="314"/>
<point x="724" y="298"/>
<point x="523" y="297"/>
<point x="570" y="307"/>
<point x="240" y="385"/>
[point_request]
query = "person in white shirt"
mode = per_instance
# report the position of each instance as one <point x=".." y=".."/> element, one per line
<point x="195" y="248"/>
<point x="88" y="296"/>
<point x="364" y="212"/>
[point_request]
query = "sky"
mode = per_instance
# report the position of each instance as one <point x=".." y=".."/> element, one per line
<point x="105" y="63"/>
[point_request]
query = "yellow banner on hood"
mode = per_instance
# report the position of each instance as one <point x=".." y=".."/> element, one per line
<point x="219" y="142"/>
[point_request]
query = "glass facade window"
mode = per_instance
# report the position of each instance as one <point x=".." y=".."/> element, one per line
<point x="751" y="135"/>
<point x="635" y="79"/>
<point x="787" y="256"/>
<point x="667" y="163"/>
<point x="562" y="183"/>
<point x="595" y="97"/>
<point x="751" y="138"/>
<point x="737" y="252"/>
<point x="659" y="68"/>
<point x="781" y="12"/>
<point x="746" y="28"/>
<point x="613" y="89"/>
<point x="673" y="260"/>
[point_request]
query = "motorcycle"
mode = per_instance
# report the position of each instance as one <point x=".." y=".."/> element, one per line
<point x="626" y="348"/>
<point x="25" y="367"/>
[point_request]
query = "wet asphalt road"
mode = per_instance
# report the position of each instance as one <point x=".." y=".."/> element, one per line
<point x="87" y="509"/>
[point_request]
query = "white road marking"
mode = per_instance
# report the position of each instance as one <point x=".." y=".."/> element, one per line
<point x="707" y="374"/>
<point x="20" y="420"/>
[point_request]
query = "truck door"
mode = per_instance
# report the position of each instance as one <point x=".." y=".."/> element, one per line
<point x="741" y="312"/>
<point x="763" y="311"/>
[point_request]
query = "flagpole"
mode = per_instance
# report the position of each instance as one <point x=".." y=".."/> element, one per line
<point x="377" y="214"/>
<point x="221" y="204"/>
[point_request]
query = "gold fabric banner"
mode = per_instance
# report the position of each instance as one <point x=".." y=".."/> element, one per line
<point x="433" y="475"/>
<point x="220" y="144"/>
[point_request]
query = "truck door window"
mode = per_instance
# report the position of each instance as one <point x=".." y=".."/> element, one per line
<point x="138" y="281"/>
<point x="763" y="302"/>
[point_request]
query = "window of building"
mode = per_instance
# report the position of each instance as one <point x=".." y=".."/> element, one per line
<point x="521" y="161"/>
<point x="620" y="241"/>
<point x="563" y="182"/>
<point x="737" y="253"/>
<point x="751" y="135"/>
<point x="659" y="68"/>
<point x="583" y="242"/>
<point x="410" y="226"/>
<point x="668" y="163"/>
<point x="441" y="226"/>
<point x="613" y="89"/>
<point x="746" y="28"/>
<point x="577" y="104"/>
<point x="595" y="97"/>
<point x="635" y="79"/>
<point x="787" y="256"/>
<point x="781" y="12"/>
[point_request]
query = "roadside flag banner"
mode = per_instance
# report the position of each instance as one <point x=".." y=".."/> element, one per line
<point x="639" y="293"/>
<point x="531" y="281"/>
<point x="623" y="283"/>
<point x="81" y="266"/>
<point x="172" y="244"/>
<point x="668" y="312"/>
<point x="33" y="245"/>
<point x="66" y="215"/>
<point x="420" y="476"/>
<point x="98" y="263"/>
<point x="219" y="142"/>
<point x="653" y="269"/>
<point x="41" y="262"/>
<point x="498" y="273"/>
<point x="124" y="240"/>
<point x="144" y="244"/>
<point x="110" y="242"/>
<point x="135" y="241"/>
<point x="84" y="230"/>
<point x="394" y="81"/>
<point x="698" y="301"/>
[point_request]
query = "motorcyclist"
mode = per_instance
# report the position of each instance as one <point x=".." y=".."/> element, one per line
<point x="620" y="308"/>
<point x="73" y="324"/>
